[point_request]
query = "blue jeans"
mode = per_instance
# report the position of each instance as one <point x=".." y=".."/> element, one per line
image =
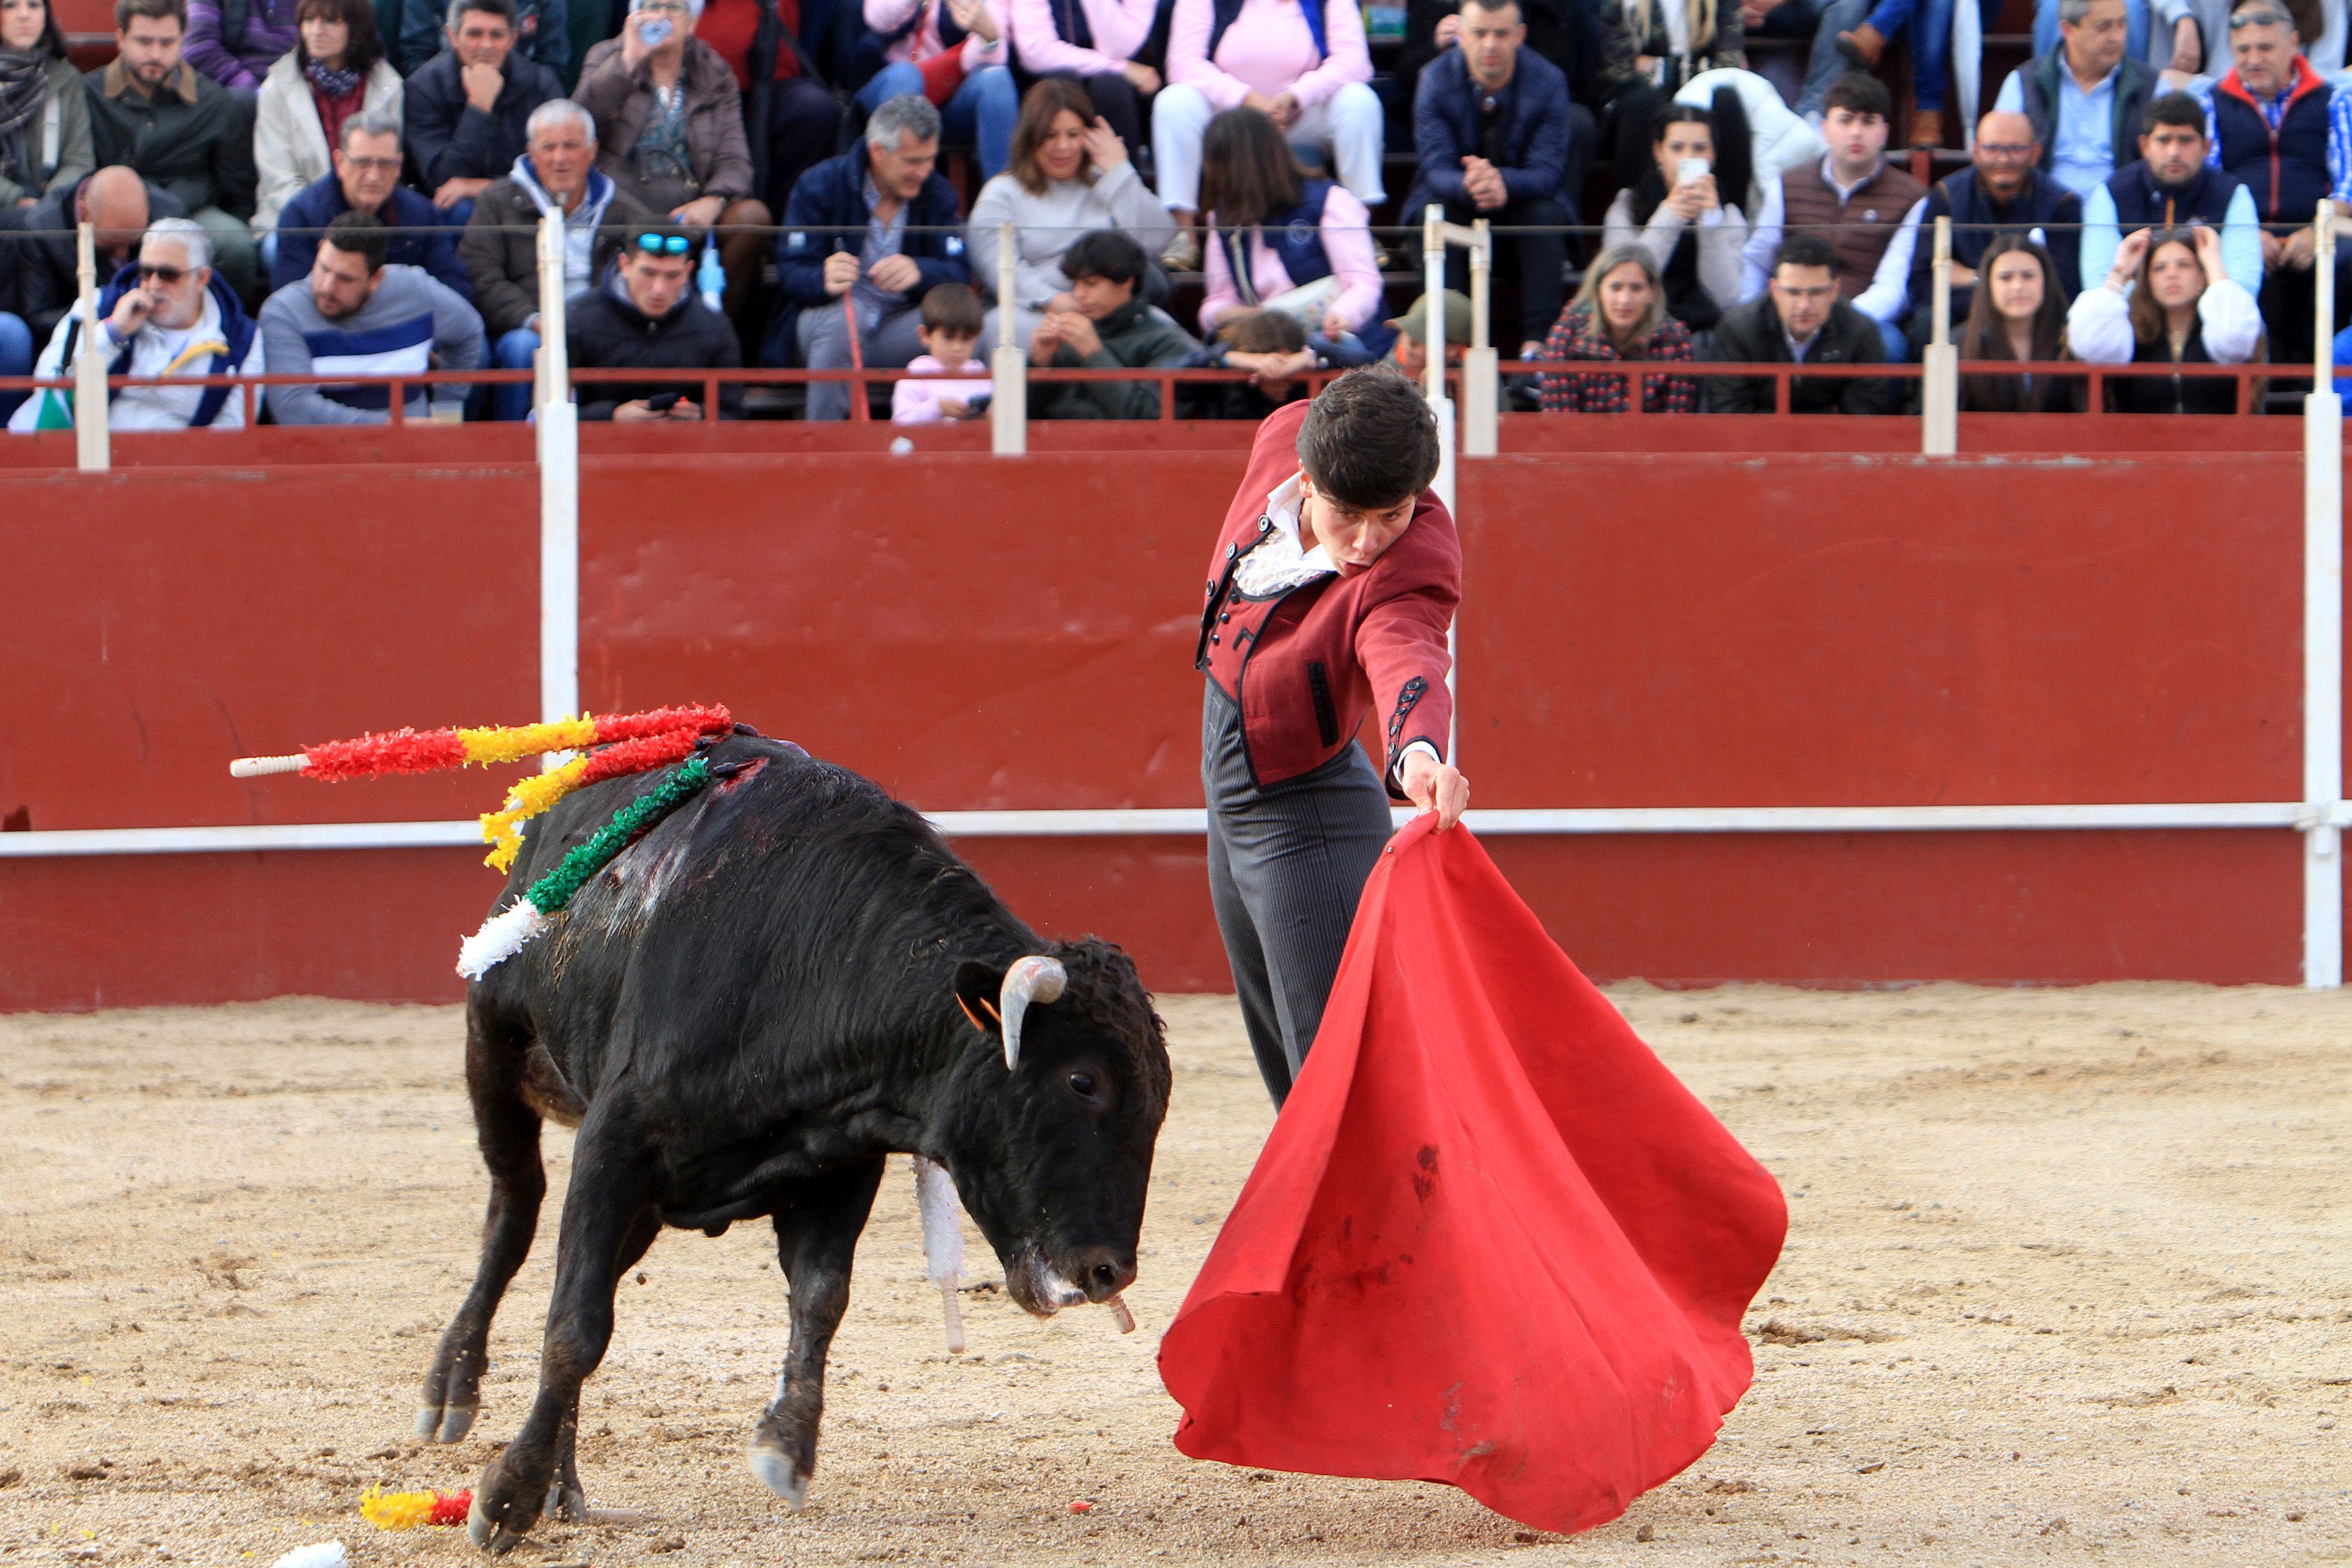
<point x="981" y="111"/>
<point x="2135" y="23"/>
<point x="1898" y="345"/>
<point x="1930" y="38"/>
<point x="15" y="359"/>
<point x="513" y="351"/>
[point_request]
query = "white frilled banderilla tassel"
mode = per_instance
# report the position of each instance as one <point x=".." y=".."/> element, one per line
<point x="935" y="1197"/>
<point x="503" y="936"/>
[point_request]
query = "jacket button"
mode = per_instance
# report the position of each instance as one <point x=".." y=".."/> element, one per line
<point x="1223" y="618"/>
<point x="1213" y="639"/>
<point x="1232" y="551"/>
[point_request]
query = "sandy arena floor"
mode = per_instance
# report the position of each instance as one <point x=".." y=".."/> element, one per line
<point x="2069" y="1280"/>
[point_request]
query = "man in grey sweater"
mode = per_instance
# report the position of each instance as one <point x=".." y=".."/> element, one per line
<point x="355" y="316"/>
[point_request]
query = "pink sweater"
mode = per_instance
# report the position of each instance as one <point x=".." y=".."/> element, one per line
<point x="923" y="42"/>
<point x="1119" y="27"/>
<point x="1347" y="245"/>
<point x="917" y="401"/>
<point x="1267" y="49"/>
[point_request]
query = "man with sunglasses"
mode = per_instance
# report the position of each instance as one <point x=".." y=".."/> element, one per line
<point x="169" y="314"/>
<point x="2001" y="189"/>
<point x="2278" y="125"/>
<point x="645" y="317"/>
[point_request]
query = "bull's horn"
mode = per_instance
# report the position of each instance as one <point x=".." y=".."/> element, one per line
<point x="1031" y="979"/>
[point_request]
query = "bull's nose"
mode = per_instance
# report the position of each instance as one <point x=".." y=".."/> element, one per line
<point x="1100" y="1272"/>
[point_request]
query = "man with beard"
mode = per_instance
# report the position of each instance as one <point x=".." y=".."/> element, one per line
<point x="355" y="316"/>
<point x="2003" y="189"/>
<point x="2173" y="186"/>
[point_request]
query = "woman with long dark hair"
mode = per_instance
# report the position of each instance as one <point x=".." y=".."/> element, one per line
<point x="1676" y="213"/>
<point x="1618" y="314"/>
<point x="335" y="71"/>
<point x="44" y="110"/>
<point x="2018" y="314"/>
<point x="1283" y="241"/>
<point x="2167" y="300"/>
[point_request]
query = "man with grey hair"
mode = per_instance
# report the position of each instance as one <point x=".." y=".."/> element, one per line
<point x="556" y="174"/>
<point x="467" y="108"/>
<point x="870" y="232"/>
<point x="167" y="314"/>
<point x="366" y="179"/>
<point x="2084" y="99"/>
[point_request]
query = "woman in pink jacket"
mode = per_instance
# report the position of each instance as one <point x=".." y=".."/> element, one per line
<point x="1305" y="66"/>
<point x="1105" y="45"/>
<point x="953" y="53"/>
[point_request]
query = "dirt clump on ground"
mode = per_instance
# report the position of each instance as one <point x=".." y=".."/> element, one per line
<point x="2069" y="1278"/>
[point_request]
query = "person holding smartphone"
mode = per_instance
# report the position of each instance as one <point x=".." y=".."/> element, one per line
<point x="1675" y="211"/>
<point x="646" y="317"/>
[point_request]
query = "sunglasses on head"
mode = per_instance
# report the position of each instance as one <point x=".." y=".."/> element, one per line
<point x="163" y="275"/>
<point x="663" y="244"/>
<point x="2260" y="19"/>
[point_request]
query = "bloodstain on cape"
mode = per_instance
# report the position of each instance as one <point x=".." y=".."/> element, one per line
<point x="1492" y="1241"/>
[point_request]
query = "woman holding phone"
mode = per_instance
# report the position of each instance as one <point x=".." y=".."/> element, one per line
<point x="1675" y="211"/>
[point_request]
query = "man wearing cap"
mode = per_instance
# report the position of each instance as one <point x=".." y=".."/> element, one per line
<point x="2280" y="127"/>
<point x="1411" y="355"/>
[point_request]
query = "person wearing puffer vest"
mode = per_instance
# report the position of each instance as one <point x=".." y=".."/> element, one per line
<point x="2085" y="97"/>
<point x="2172" y="186"/>
<point x="168" y="314"/>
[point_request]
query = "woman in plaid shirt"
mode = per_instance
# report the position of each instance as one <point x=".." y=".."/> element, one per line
<point x="1618" y="314"/>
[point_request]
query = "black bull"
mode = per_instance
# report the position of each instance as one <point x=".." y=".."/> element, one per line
<point x="744" y="1014"/>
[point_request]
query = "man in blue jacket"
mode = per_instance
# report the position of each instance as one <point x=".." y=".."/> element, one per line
<point x="468" y="108"/>
<point x="1499" y="139"/>
<point x="871" y="231"/>
<point x="366" y="179"/>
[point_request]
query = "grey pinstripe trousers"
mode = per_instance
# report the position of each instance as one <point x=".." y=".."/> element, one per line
<point x="1286" y="864"/>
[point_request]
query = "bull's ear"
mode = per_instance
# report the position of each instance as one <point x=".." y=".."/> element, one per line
<point x="977" y="988"/>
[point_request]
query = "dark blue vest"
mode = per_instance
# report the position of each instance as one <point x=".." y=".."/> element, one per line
<point x="1296" y="236"/>
<point x="1226" y="10"/>
<point x="2141" y="202"/>
<point x="1070" y="21"/>
<point x="2287" y="171"/>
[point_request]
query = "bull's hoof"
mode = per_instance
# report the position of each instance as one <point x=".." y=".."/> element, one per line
<point x="446" y="1424"/>
<point x="779" y="1474"/>
<point x="477" y="1523"/>
<point x="499" y="1519"/>
<point x="569" y="1504"/>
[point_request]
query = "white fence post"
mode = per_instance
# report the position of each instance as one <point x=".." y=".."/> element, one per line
<point x="1008" y="396"/>
<point x="558" y="426"/>
<point x="1939" y="395"/>
<point x="1482" y="385"/>
<point x="2323" y="633"/>
<point x="93" y="451"/>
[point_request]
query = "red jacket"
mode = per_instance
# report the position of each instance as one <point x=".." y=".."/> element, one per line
<point x="1306" y="665"/>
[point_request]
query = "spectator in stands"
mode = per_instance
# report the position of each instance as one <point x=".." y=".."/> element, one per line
<point x="181" y="129"/>
<point x="118" y="205"/>
<point x="538" y="30"/>
<point x="2081" y="97"/>
<point x="1272" y="347"/>
<point x="1866" y="207"/>
<point x="469" y="107"/>
<point x="559" y="173"/>
<point x="2018" y="315"/>
<point x="1070" y="173"/>
<point x="1799" y="320"/>
<point x="872" y="230"/>
<point x="1104" y="322"/>
<point x="1618" y="314"/>
<point x="366" y="179"/>
<point x="1565" y="32"/>
<point x="1410" y="353"/>
<point x="1499" y="139"/>
<point x="952" y="322"/>
<point x="334" y="73"/>
<point x="1303" y="66"/>
<point x="1280" y="239"/>
<point x="1649" y="49"/>
<point x="2168" y="300"/>
<point x="44" y="145"/>
<point x="2001" y="189"/>
<point x="234" y="42"/>
<point x="953" y="53"/>
<point x="791" y="120"/>
<point x="645" y="317"/>
<point x="1674" y="212"/>
<point x="1106" y="46"/>
<point x="669" y="131"/>
<point x="1927" y="28"/>
<point x="2277" y="125"/>
<point x="2172" y="186"/>
<point x="169" y="315"/>
<point x="356" y="316"/>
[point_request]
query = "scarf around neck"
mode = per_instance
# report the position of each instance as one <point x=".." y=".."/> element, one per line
<point x="332" y="83"/>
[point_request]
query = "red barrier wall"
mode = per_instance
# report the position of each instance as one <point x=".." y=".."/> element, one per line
<point x="982" y="632"/>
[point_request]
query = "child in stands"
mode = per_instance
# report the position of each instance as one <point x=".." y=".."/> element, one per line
<point x="952" y="319"/>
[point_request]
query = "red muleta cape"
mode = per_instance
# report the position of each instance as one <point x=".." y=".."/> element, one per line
<point x="1492" y="1241"/>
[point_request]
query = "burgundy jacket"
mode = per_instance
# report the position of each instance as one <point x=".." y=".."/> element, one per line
<point x="1306" y="666"/>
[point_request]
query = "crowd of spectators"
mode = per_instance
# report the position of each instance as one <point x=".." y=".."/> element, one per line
<point x="351" y="187"/>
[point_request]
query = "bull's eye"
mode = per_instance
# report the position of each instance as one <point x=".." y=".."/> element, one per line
<point x="1082" y="1084"/>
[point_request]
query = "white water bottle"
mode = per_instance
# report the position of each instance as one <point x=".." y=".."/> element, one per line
<point x="710" y="279"/>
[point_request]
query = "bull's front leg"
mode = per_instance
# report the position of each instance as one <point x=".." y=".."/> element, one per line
<point x="817" y="1241"/>
<point x="607" y="1194"/>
